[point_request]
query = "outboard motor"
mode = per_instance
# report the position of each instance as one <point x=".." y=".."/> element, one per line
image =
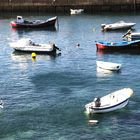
<point x="20" y="19"/>
<point x="97" y="102"/>
<point x="55" y="47"/>
<point x="103" y="27"/>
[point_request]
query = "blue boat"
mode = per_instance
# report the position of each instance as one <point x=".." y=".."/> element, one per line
<point x="118" y="46"/>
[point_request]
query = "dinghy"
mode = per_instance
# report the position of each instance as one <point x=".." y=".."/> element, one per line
<point x="27" y="45"/>
<point x="108" y="65"/>
<point x="76" y="11"/>
<point x="117" y="25"/>
<point x="111" y="102"/>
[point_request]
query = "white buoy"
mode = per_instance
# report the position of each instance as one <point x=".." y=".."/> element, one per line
<point x="93" y="121"/>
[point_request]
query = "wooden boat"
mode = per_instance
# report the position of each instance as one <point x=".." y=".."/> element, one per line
<point x="76" y="11"/>
<point x="111" y="102"/>
<point x="117" y="25"/>
<point x="21" y="23"/>
<point x="131" y="36"/>
<point x="118" y="46"/>
<point x="27" y="45"/>
<point x="108" y="65"/>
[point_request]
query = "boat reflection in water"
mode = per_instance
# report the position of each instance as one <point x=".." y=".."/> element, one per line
<point x="103" y="72"/>
<point x="24" y="59"/>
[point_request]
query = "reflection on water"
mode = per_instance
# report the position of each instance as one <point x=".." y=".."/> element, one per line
<point x="103" y="73"/>
<point x="24" y="57"/>
<point x="131" y="52"/>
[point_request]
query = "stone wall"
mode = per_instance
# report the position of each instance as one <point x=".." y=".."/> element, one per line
<point x="65" y="5"/>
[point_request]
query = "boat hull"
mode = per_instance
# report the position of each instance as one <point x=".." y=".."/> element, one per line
<point x="36" y="51"/>
<point x="108" y="66"/>
<point x="113" y="47"/>
<point x="107" y="109"/>
<point x="111" y="102"/>
<point x="45" y="24"/>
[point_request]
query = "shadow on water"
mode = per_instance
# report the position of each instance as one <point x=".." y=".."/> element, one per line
<point x="130" y="52"/>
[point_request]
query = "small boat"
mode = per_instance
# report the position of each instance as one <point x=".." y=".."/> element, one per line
<point x="108" y="65"/>
<point x="22" y="23"/>
<point x="111" y="102"/>
<point x="1" y="104"/>
<point x="117" y="25"/>
<point x="27" y="45"/>
<point x="118" y="46"/>
<point x="131" y="36"/>
<point x="76" y="11"/>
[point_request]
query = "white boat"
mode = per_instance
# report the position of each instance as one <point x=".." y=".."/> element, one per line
<point x="117" y="25"/>
<point x="108" y="65"/>
<point x="27" y="45"/>
<point x="131" y="36"/>
<point x="1" y="104"/>
<point x="113" y="101"/>
<point x="76" y="11"/>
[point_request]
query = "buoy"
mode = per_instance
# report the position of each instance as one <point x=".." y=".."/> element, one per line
<point x="93" y="121"/>
<point x="34" y="55"/>
<point x="78" y="45"/>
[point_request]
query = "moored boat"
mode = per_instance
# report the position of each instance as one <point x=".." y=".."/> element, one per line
<point x="27" y="45"/>
<point x="108" y="65"/>
<point x="117" y="25"/>
<point x="22" y="23"/>
<point x="76" y="11"/>
<point x="118" y="46"/>
<point x="131" y="35"/>
<point x="111" y="102"/>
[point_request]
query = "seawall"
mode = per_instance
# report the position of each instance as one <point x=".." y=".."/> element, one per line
<point x="65" y="5"/>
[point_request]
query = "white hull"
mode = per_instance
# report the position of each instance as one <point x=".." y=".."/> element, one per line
<point x="110" y="102"/>
<point x="108" y="66"/>
<point x="89" y="110"/>
<point x="26" y="45"/>
<point x="117" y="25"/>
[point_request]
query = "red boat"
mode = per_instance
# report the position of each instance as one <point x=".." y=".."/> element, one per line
<point x="118" y="46"/>
<point x="21" y="23"/>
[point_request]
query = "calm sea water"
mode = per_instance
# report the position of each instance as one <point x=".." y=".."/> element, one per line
<point x="44" y="99"/>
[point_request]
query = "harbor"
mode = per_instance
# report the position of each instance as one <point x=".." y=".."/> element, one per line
<point x="44" y="96"/>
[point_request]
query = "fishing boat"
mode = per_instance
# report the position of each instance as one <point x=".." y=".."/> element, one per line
<point x="131" y="35"/>
<point x="76" y="11"/>
<point x="117" y="25"/>
<point x="111" y="102"/>
<point x="27" y="45"/>
<point x="108" y="65"/>
<point x="22" y="23"/>
<point x="118" y="46"/>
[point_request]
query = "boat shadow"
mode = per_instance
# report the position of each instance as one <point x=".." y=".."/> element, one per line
<point x="130" y="52"/>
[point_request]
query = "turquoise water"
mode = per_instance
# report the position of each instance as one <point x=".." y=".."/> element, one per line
<point x="44" y="99"/>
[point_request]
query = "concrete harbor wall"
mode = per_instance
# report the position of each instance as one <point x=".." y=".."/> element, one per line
<point x="65" y="5"/>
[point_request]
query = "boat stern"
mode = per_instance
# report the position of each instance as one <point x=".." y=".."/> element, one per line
<point x="13" y="24"/>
